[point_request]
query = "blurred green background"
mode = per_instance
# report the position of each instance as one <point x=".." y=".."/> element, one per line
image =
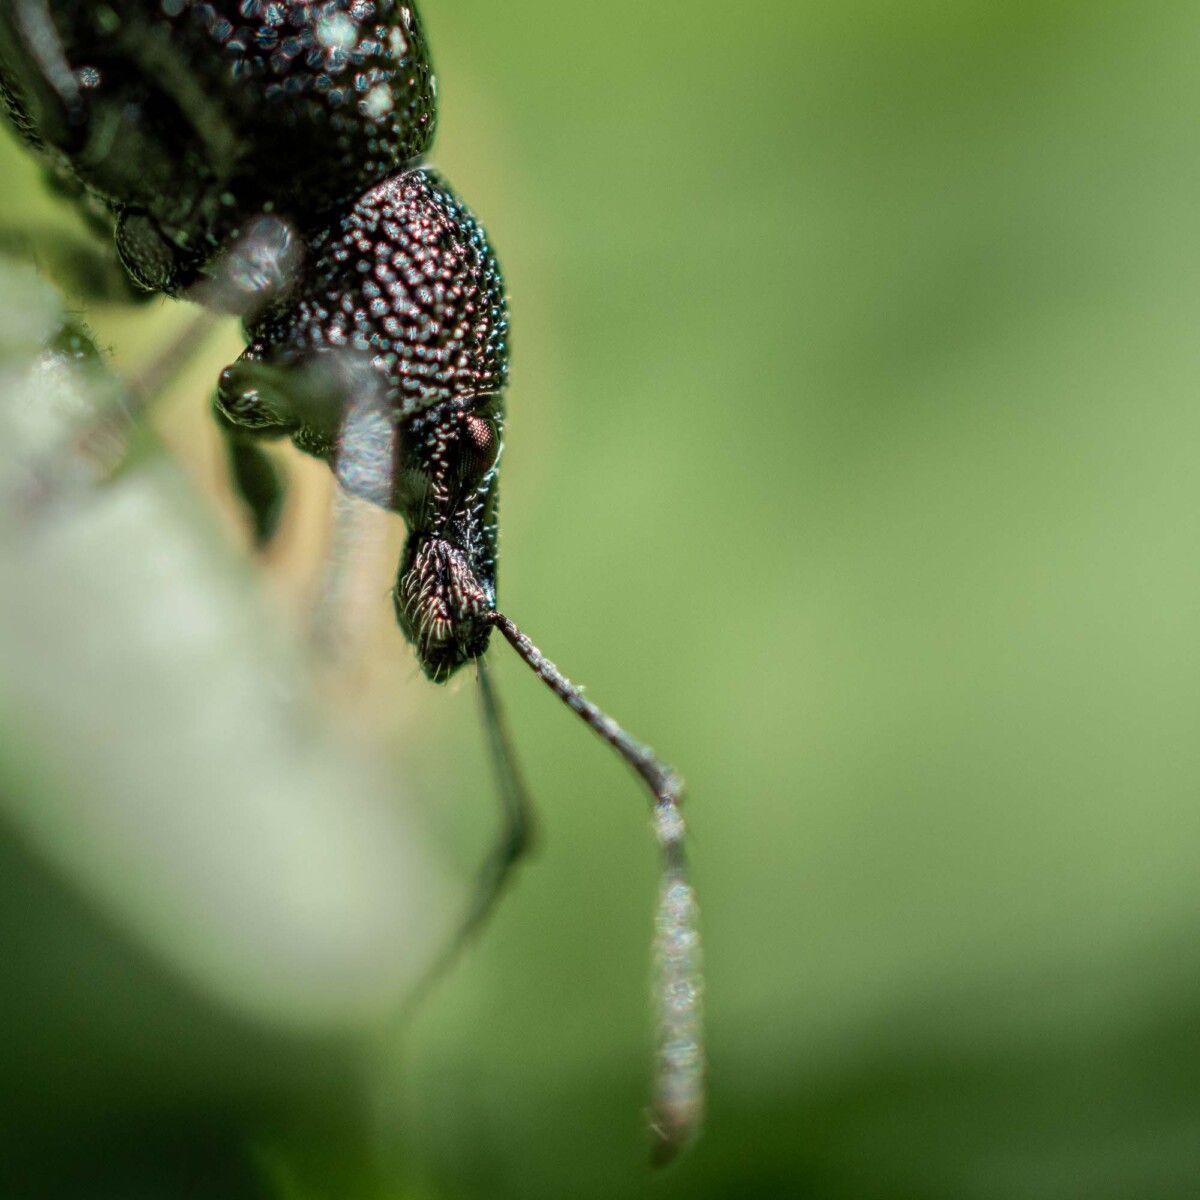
<point x="852" y="461"/>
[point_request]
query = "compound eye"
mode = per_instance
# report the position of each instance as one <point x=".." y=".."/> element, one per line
<point x="480" y="445"/>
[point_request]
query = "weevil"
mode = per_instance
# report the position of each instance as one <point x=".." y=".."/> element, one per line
<point x="268" y="157"/>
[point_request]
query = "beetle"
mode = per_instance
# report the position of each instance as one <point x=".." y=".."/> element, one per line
<point x="267" y="157"/>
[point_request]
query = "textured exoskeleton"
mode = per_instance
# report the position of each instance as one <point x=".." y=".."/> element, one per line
<point x="294" y="131"/>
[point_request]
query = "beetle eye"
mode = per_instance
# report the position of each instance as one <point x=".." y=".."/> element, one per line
<point x="480" y="443"/>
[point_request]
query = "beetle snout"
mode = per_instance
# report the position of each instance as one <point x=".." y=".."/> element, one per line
<point x="442" y="605"/>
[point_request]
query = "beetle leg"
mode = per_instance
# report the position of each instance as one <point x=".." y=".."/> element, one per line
<point x="517" y="833"/>
<point x="332" y="409"/>
<point x="256" y="479"/>
<point x="265" y="397"/>
<point x="49" y="107"/>
<point x="81" y="267"/>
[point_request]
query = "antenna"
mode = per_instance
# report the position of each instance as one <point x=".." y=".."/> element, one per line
<point x="677" y="1107"/>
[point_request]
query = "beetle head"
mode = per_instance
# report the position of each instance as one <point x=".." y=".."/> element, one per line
<point x="446" y="588"/>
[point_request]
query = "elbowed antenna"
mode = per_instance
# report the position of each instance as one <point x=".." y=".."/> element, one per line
<point x="677" y="1108"/>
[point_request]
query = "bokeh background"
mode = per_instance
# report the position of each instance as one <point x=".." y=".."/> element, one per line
<point x="852" y="462"/>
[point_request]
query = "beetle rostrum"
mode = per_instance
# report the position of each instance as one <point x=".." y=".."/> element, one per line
<point x="406" y="280"/>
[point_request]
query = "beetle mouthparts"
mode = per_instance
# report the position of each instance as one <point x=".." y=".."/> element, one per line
<point x="442" y="606"/>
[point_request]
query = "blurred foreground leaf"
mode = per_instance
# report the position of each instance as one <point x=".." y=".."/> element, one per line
<point x="244" y="894"/>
